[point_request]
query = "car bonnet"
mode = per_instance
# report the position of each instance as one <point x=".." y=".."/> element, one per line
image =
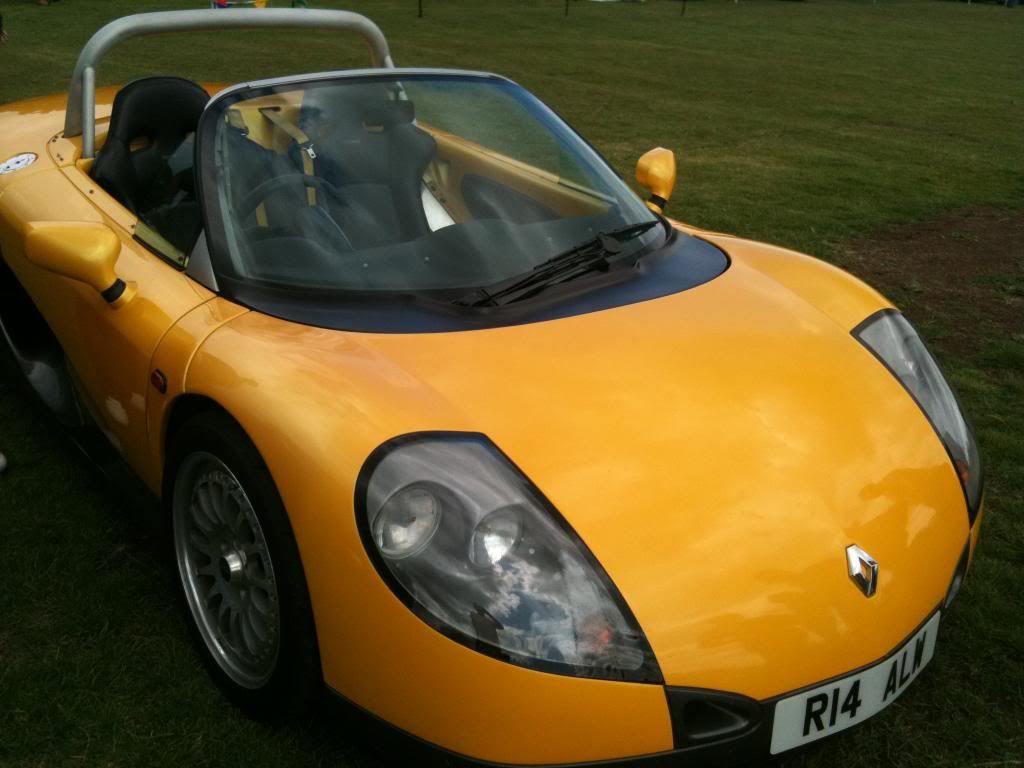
<point x="717" y="449"/>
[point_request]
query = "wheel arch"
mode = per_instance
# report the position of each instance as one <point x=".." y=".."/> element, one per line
<point x="183" y="408"/>
<point x="218" y="431"/>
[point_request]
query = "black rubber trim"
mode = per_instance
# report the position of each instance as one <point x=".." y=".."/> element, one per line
<point x="659" y="201"/>
<point x="649" y="672"/>
<point x="114" y="292"/>
<point x="962" y="566"/>
<point x="178" y="265"/>
<point x="972" y="512"/>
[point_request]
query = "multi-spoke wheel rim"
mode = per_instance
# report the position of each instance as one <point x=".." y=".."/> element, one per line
<point x="226" y="571"/>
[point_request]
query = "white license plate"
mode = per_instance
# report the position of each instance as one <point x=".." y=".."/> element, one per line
<point x="835" y="706"/>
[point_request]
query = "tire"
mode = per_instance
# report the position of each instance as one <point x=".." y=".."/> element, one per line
<point x="242" y="583"/>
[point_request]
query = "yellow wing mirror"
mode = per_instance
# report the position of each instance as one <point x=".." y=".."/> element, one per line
<point x="83" y="251"/>
<point x="656" y="170"/>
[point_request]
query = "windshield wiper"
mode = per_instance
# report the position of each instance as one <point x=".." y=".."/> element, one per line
<point x="597" y="253"/>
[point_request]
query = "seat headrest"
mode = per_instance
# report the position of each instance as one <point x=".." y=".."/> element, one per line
<point x="349" y="109"/>
<point x="388" y="113"/>
<point x="158" y="108"/>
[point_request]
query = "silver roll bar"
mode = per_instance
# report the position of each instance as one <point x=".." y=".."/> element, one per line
<point x="80" y="119"/>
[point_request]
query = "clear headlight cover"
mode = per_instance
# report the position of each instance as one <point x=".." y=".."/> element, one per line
<point x="475" y="550"/>
<point x="894" y="341"/>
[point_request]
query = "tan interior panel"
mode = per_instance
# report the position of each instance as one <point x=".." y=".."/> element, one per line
<point x="457" y="157"/>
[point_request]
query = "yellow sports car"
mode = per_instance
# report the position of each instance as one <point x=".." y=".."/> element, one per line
<point x="449" y="422"/>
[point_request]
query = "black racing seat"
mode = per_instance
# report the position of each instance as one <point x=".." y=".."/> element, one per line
<point x="368" y="148"/>
<point x="147" y="160"/>
<point x="270" y="212"/>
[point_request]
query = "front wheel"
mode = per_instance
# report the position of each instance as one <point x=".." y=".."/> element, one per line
<point x="241" y="575"/>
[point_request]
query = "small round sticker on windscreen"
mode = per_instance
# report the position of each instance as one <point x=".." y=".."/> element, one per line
<point x="17" y="162"/>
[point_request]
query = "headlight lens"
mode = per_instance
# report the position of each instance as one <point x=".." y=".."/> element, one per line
<point x="894" y="341"/>
<point x="495" y="537"/>
<point x="407" y="522"/>
<point x="474" y="549"/>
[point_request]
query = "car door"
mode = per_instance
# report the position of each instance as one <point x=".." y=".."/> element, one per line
<point x="108" y="348"/>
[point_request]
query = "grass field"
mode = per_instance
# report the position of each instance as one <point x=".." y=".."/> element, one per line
<point x="831" y="127"/>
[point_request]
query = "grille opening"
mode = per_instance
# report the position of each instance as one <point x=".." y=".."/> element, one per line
<point x="701" y="718"/>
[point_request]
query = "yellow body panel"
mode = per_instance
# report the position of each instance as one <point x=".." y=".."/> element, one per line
<point x="717" y="449"/>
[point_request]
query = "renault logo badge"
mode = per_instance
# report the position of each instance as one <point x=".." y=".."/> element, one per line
<point x="863" y="569"/>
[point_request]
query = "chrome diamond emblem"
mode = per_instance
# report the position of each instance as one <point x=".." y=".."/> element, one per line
<point x="863" y="569"/>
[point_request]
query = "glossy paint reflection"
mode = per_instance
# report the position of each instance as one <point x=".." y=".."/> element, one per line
<point x="717" y="450"/>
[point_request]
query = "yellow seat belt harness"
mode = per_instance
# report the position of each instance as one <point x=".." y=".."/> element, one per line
<point x="308" y="154"/>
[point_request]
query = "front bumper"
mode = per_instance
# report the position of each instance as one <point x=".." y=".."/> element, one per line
<point x="709" y="728"/>
<point x="750" y="743"/>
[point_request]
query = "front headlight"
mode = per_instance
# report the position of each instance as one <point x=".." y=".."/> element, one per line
<point x="894" y="341"/>
<point x="475" y="550"/>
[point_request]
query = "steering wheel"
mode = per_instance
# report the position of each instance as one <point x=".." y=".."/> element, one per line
<point x="262" y="191"/>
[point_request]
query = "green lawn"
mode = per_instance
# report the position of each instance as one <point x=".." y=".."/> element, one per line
<point x="809" y="124"/>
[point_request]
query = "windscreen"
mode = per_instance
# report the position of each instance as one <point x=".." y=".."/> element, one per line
<point x="401" y="183"/>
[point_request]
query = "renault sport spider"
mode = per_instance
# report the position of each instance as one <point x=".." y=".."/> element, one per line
<point x="448" y="421"/>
